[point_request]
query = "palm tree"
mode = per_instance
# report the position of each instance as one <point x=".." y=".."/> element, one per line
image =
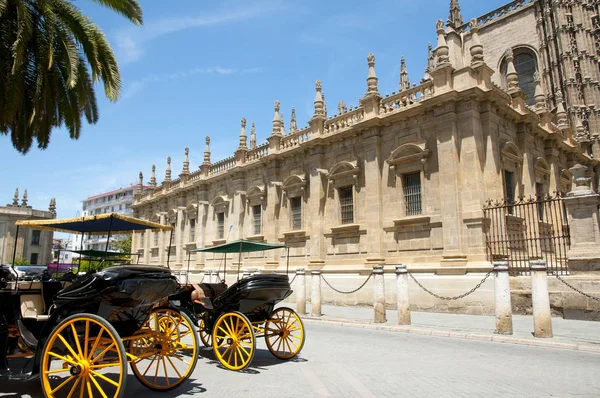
<point x="47" y="50"/>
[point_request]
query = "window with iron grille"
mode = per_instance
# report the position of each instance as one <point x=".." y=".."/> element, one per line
<point x="192" y="230"/>
<point x="142" y="241"/>
<point x="347" y="205"/>
<point x="221" y="225"/>
<point x="35" y="237"/>
<point x="412" y="193"/>
<point x="509" y="185"/>
<point x="296" y="208"/>
<point x="33" y="259"/>
<point x="257" y="218"/>
<point x="156" y="239"/>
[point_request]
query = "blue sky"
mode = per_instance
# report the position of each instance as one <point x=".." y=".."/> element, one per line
<point x="195" y="68"/>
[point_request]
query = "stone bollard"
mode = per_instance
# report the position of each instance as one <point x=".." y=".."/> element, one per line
<point x="300" y="292"/>
<point x="402" y="298"/>
<point x="378" y="295"/>
<point x="542" y="317"/>
<point x="315" y="297"/>
<point x="502" y="302"/>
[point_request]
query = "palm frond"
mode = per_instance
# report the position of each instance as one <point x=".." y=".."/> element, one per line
<point x="128" y="8"/>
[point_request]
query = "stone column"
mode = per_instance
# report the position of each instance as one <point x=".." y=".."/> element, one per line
<point x="163" y="238"/>
<point x="179" y="252"/>
<point x="502" y="302"/>
<point x="402" y="296"/>
<point x="315" y="297"/>
<point x="378" y="295"/>
<point x="300" y="292"/>
<point x="542" y="318"/>
<point x="582" y="211"/>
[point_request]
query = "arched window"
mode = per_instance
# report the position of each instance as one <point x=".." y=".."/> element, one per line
<point x="525" y="62"/>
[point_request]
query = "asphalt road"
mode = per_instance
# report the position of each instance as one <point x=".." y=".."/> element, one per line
<point x="354" y="362"/>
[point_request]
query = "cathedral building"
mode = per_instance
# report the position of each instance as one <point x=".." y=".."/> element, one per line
<point x="505" y="108"/>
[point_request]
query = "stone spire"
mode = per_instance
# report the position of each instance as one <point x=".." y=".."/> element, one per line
<point x="16" y="198"/>
<point x="324" y="105"/>
<point x="455" y="18"/>
<point x="512" y="79"/>
<point x="404" y="81"/>
<point x="140" y="183"/>
<point x="207" y="152"/>
<point x="430" y="63"/>
<point x="168" y="171"/>
<point x="561" y="115"/>
<point x="282" y="129"/>
<point x="243" y="138"/>
<point x="276" y="120"/>
<point x="253" y="136"/>
<point x="186" y="162"/>
<point x="342" y="107"/>
<point x="293" y="124"/>
<point x="540" y="98"/>
<point x="372" y="78"/>
<point x="580" y="134"/>
<point x="24" y="200"/>
<point x="52" y="206"/>
<point x="153" y="177"/>
<point x="319" y="103"/>
<point x="476" y="47"/>
<point x="442" y="52"/>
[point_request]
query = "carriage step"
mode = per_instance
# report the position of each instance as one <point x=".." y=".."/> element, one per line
<point x="26" y="335"/>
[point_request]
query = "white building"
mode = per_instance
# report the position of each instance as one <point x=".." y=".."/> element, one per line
<point x="117" y="201"/>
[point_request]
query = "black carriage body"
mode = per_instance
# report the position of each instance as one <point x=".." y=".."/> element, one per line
<point x="255" y="297"/>
<point x="123" y="295"/>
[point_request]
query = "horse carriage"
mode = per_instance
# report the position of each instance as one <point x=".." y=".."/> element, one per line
<point x="78" y="334"/>
<point x="231" y="318"/>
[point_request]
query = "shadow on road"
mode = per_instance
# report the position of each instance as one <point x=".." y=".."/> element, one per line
<point x="261" y="361"/>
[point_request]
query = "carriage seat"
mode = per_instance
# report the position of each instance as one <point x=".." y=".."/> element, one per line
<point x="207" y="291"/>
<point x="34" y="303"/>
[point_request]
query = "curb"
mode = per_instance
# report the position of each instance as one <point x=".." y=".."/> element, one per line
<point x="442" y="333"/>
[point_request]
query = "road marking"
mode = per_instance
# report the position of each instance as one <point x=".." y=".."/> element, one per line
<point x="314" y="381"/>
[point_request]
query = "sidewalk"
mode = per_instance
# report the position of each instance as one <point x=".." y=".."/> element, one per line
<point x="568" y="334"/>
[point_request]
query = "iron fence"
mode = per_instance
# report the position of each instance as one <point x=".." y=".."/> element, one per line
<point x="528" y="229"/>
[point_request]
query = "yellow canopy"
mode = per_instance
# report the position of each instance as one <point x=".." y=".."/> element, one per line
<point x="96" y="225"/>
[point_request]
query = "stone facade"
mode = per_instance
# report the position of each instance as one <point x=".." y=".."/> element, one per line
<point x="400" y="178"/>
<point x="33" y="245"/>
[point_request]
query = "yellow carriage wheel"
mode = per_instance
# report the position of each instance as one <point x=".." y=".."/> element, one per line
<point x="204" y="335"/>
<point x="233" y="340"/>
<point x="84" y="357"/>
<point x="284" y="333"/>
<point x="164" y="351"/>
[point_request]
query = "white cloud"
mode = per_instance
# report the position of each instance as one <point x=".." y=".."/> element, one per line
<point x="130" y="41"/>
<point x="138" y="85"/>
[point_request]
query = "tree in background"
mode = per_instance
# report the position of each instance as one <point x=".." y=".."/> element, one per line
<point x="123" y="244"/>
<point x="50" y="57"/>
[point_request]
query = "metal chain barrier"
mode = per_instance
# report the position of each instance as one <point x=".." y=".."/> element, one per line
<point x="350" y="292"/>
<point x="577" y="290"/>
<point x="293" y="279"/>
<point x="455" y="297"/>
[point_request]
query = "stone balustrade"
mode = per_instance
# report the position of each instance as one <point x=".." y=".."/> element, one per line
<point x="222" y="166"/>
<point x="257" y="153"/>
<point x="405" y="99"/>
<point x="293" y="140"/>
<point x="343" y="121"/>
<point x="195" y="176"/>
<point x="498" y="13"/>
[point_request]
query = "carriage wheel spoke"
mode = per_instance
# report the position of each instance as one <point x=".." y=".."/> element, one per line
<point x="64" y="383"/>
<point x="76" y="337"/>
<point x="96" y="343"/>
<point x="74" y="387"/>
<point x="106" y="379"/>
<point x="174" y="367"/>
<point x="64" y="341"/>
<point x="98" y="386"/>
<point x="104" y="352"/>
<point x="67" y="360"/>
<point x="89" y="388"/>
